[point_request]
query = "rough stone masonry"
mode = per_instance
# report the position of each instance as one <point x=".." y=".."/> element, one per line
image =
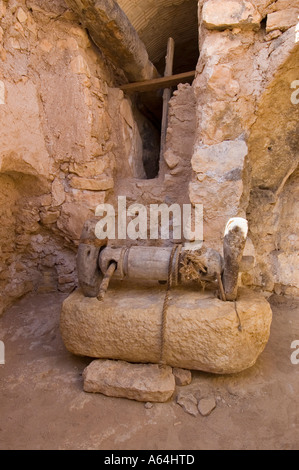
<point x="70" y="139"/>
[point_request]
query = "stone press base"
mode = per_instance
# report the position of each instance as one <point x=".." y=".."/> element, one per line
<point x="202" y="333"/>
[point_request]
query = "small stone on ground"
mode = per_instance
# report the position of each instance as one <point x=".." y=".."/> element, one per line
<point x="148" y="405"/>
<point x="188" y="402"/>
<point x="206" y="406"/>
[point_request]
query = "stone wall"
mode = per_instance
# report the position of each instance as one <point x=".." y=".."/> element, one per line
<point x="247" y="144"/>
<point x="70" y="139"/>
<point x="59" y="141"/>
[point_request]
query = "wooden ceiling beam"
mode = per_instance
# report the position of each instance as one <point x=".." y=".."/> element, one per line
<point x="158" y="83"/>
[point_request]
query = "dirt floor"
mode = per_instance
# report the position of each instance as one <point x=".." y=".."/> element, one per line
<point x="43" y="406"/>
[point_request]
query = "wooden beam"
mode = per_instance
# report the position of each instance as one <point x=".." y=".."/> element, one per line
<point x="159" y="83"/>
<point x="166" y="94"/>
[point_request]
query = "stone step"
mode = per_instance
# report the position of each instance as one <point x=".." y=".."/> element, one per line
<point x="141" y="382"/>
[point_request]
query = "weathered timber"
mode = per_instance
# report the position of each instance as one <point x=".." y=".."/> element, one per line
<point x="137" y="262"/>
<point x="158" y="83"/>
<point x="106" y="281"/>
<point x="166" y="94"/>
<point x="112" y="32"/>
<point x="143" y="263"/>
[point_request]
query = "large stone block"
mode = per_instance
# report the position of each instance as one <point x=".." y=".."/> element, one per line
<point x="20" y="121"/>
<point x="230" y="14"/>
<point x="202" y="332"/>
<point x="220" y="160"/>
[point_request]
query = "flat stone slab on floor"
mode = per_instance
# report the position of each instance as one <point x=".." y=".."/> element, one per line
<point x="141" y="382"/>
<point x="202" y="332"/>
<point x="206" y="406"/>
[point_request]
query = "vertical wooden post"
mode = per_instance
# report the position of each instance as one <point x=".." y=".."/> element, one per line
<point x="166" y="94"/>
